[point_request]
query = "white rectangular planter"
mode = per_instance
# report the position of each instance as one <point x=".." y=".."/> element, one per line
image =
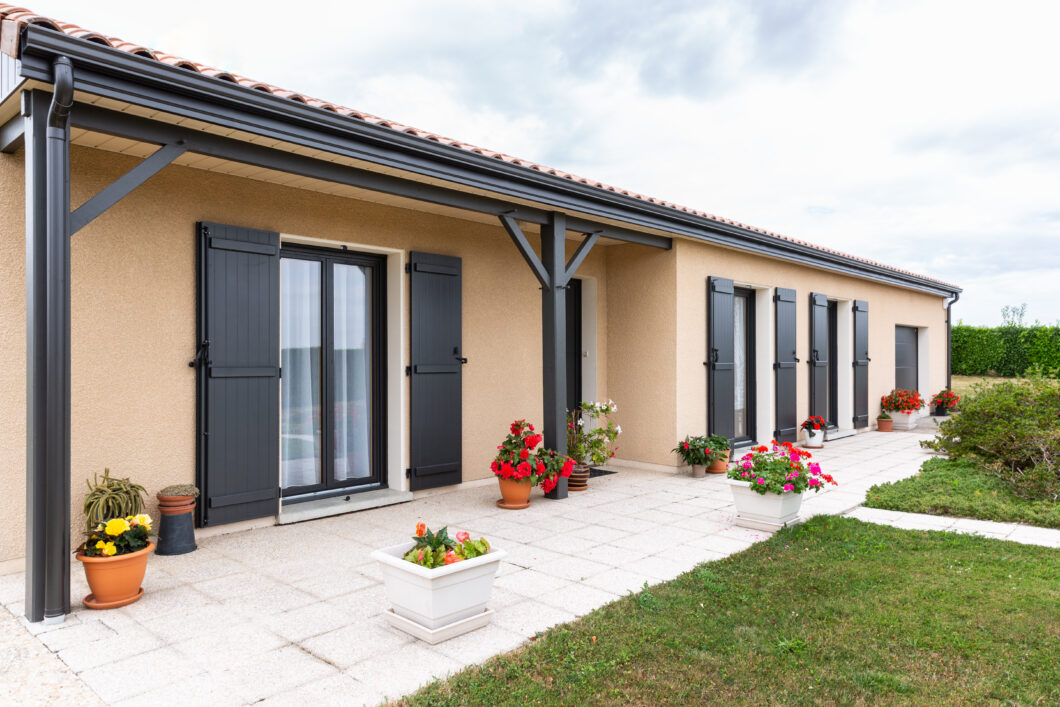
<point x="905" y="422"/>
<point x="763" y="511"/>
<point x="436" y="599"/>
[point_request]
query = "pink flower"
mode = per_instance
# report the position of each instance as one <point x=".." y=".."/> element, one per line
<point x="450" y="557"/>
<point x="744" y="474"/>
<point x="462" y="536"/>
<point x="789" y="487"/>
<point x="746" y="464"/>
<point x="794" y="456"/>
<point x="761" y="481"/>
<point x="814" y="482"/>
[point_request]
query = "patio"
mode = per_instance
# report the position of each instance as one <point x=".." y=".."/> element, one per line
<point x="291" y="614"/>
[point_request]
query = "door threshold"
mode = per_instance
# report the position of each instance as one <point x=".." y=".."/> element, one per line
<point x="337" y="505"/>
<point x="829" y="435"/>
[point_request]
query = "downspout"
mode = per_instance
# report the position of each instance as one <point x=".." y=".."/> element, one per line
<point x="949" y="341"/>
<point x="57" y="350"/>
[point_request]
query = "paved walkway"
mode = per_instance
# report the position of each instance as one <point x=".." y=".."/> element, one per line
<point x="1016" y="532"/>
<point x="293" y="614"/>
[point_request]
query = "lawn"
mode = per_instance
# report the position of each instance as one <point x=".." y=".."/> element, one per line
<point x="958" y="488"/>
<point x="834" y="611"/>
<point x="963" y="385"/>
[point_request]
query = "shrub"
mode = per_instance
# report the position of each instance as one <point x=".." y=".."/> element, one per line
<point x="1013" y="428"/>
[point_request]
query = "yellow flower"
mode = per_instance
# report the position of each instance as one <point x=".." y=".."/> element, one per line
<point x="109" y="549"/>
<point x="100" y="545"/>
<point x="144" y="520"/>
<point x="99" y="527"/>
<point x="116" y="526"/>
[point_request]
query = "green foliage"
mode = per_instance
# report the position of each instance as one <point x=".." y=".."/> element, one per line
<point x="438" y="549"/>
<point x="591" y="433"/>
<point x="118" y="536"/>
<point x="957" y="487"/>
<point x="111" y="498"/>
<point x="1007" y="350"/>
<point x="1013" y="429"/>
<point x="645" y="599"/>
<point x="962" y="620"/>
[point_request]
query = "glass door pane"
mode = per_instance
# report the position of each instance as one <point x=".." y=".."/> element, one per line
<point x="740" y="365"/>
<point x="351" y="384"/>
<point x="300" y="357"/>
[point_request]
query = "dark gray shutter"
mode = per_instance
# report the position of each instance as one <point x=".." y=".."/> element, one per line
<point x="905" y="358"/>
<point x="861" y="364"/>
<point x="721" y="382"/>
<point x="435" y="373"/>
<point x="784" y="365"/>
<point x="239" y="326"/>
<point x="574" y="344"/>
<point x="818" y="354"/>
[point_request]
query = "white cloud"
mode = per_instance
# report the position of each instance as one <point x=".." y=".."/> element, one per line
<point x="923" y="135"/>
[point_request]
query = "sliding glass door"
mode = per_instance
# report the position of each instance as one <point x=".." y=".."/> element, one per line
<point x="331" y="334"/>
<point x="743" y="366"/>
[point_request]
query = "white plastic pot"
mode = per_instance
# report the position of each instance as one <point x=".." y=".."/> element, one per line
<point x="764" y="511"/>
<point x="815" y="438"/>
<point x="905" y="422"/>
<point x="437" y="598"/>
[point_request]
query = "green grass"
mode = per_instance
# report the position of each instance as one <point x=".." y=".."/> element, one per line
<point x="834" y="611"/>
<point x="958" y="488"/>
<point x="962" y="385"/>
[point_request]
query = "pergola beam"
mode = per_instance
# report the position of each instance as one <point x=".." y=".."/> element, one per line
<point x="554" y="340"/>
<point x="579" y="255"/>
<point x="526" y="250"/>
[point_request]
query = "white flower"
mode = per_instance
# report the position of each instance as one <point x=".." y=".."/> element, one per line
<point x="581" y="422"/>
<point x="618" y="429"/>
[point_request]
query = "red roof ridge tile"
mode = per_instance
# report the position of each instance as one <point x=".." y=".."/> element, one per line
<point x="22" y="16"/>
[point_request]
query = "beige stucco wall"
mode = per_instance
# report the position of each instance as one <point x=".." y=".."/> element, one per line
<point x="888" y="306"/>
<point x="133" y="317"/>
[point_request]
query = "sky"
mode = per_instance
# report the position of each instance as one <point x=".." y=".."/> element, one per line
<point x="923" y="135"/>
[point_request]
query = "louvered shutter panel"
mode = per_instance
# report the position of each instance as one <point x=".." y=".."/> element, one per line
<point x="721" y="381"/>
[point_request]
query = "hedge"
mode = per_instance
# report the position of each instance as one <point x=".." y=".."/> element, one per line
<point x="1005" y="350"/>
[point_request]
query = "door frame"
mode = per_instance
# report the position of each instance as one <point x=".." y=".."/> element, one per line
<point x="379" y="362"/>
<point x="750" y="366"/>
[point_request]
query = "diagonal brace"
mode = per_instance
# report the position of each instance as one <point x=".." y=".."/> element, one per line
<point x="94" y="207"/>
<point x="524" y="247"/>
<point x="12" y="134"/>
<point x="579" y="255"/>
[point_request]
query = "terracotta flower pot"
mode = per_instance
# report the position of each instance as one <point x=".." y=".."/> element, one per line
<point x="719" y="466"/>
<point x="515" y="493"/>
<point x="579" y="478"/>
<point x="884" y="424"/>
<point x="175" y="505"/>
<point x="115" y="581"/>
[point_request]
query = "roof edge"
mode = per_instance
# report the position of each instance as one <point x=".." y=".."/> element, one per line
<point x="113" y="71"/>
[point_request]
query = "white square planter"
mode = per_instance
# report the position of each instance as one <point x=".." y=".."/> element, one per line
<point x="764" y="511"/>
<point x="905" y="422"/>
<point x="437" y="599"/>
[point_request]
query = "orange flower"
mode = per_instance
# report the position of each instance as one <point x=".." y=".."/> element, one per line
<point x="421" y="530"/>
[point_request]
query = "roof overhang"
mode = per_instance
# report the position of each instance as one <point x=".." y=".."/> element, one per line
<point x="124" y="77"/>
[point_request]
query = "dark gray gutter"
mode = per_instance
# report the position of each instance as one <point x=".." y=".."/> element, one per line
<point x="126" y="77"/>
<point x="949" y="340"/>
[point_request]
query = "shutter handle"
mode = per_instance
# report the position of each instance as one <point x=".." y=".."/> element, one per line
<point x="816" y="356"/>
<point x="461" y="359"/>
<point x="457" y="356"/>
<point x="201" y="354"/>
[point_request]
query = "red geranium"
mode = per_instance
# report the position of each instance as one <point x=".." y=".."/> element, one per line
<point x="517" y="460"/>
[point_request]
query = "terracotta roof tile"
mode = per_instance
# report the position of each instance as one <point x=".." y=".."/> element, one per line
<point x="21" y="16"/>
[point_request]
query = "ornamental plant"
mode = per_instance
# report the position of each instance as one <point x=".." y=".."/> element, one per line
<point x="438" y="549"/>
<point x="517" y="459"/>
<point x="591" y="433"/>
<point x="111" y="498"/>
<point x="945" y="398"/>
<point x="118" y="536"/>
<point x="780" y="468"/>
<point x="717" y="448"/>
<point x="813" y="422"/>
<point x="904" y="401"/>
<point x="692" y="450"/>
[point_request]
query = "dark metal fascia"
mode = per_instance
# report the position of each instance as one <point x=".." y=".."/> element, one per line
<point x="12" y="134"/>
<point x="115" y="74"/>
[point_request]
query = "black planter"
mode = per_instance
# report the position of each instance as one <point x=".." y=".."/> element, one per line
<point x="176" y="534"/>
<point x="941" y="411"/>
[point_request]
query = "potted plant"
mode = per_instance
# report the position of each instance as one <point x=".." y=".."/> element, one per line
<point x="438" y="585"/>
<point x="692" y="451"/>
<point x="905" y="403"/>
<point x="115" y="560"/>
<point x="111" y="498"/>
<point x="768" y="482"/>
<point x="519" y="468"/>
<point x="591" y="435"/>
<point x="717" y="454"/>
<point x="815" y="427"/>
<point x="944" y="401"/>
<point x="176" y="527"/>
<point x="884" y="422"/>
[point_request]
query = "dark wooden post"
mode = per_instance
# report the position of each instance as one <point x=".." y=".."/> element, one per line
<point x="554" y="339"/>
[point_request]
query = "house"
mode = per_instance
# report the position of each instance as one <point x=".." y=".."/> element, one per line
<point x="285" y="301"/>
